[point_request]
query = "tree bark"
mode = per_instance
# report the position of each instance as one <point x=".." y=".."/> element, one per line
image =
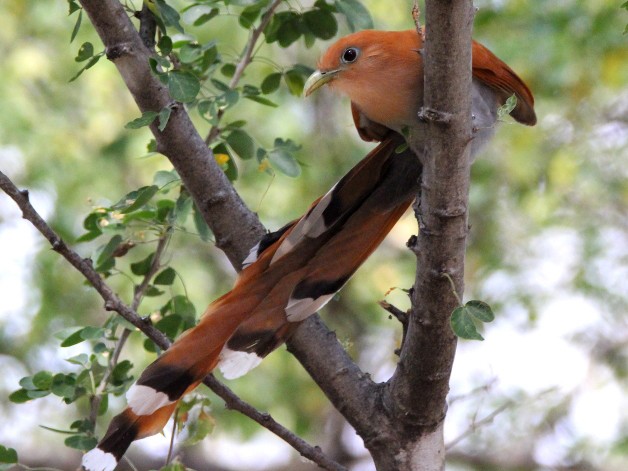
<point x="415" y="397"/>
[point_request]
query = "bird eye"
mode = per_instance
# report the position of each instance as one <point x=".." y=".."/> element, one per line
<point x="350" y="55"/>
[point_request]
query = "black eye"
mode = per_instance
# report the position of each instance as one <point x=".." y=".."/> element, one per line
<point x="350" y="55"/>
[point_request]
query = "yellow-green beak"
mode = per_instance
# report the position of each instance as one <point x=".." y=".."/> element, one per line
<point x="317" y="80"/>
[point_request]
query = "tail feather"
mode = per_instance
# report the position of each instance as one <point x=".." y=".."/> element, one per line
<point x="364" y="211"/>
<point x="123" y="430"/>
<point x="290" y="274"/>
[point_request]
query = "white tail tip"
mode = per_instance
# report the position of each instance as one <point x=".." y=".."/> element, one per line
<point x="144" y="400"/>
<point x="98" y="460"/>
<point x="234" y="364"/>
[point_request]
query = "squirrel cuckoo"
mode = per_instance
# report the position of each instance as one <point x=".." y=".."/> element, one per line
<point x="293" y="272"/>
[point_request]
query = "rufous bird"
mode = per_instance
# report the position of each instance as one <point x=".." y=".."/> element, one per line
<point x="293" y="272"/>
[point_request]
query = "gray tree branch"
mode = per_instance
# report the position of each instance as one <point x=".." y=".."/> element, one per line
<point x="415" y="397"/>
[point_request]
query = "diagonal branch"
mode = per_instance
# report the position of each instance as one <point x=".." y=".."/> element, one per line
<point x="114" y="303"/>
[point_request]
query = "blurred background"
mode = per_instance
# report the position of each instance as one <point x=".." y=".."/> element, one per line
<point x="548" y="247"/>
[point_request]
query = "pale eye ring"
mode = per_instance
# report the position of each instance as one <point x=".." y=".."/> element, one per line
<point x="350" y="55"/>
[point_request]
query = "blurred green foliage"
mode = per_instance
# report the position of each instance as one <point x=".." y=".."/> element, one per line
<point x="80" y="145"/>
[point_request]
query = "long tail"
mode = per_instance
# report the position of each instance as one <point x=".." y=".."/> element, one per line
<point x="289" y="275"/>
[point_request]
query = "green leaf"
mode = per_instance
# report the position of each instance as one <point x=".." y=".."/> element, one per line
<point x="73" y="6"/>
<point x="241" y="143"/>
<point x="19" y="397"/>
<point x="204" y="18"/>
<point x="221" y="86"/>
<point x="42" y="380"/>
<point x="81" y="442"/>
<point x="144" y="195"/>
<point x="182" y="208"/>
<point x="201" y="226"/>
<point x="283" y="161"/>
<point x="164" y="178"/>
<point x="63" y="386"/>
<point x="463" y="319"/>
<point x="166" y="277"/>
<point x="199" y="424"/>
<point x="190" y="52"/>
<point x="284" y="28"/>
<point x="321" y="23"/>
<point x="36" y="394"/>
<point x="271" y="83"/>
<point x="169" y="15"/>
<point x="295" y="82"/>
<point x="183" y="86"/>
<point x="73" y="339"/>
<point x="228" y="70"/>
<point x="165" y="45"/>
<point x="92" y="333"/>
<point x="164" y="116"/>
<point x="183" y="307"/>
<point x="85" y="52"/>
<point x="77" y="25"/>
<point x="81" y="359"/>
<point x="141" y="268"/>
<point x="121" y="371"/>
<point x="152" y="291"/>
<point x="90" y="63"/>
<point x="358" y="17"/>
<point x="27" y="383"/>
<point x="170" y="325"/>
<point x="86" y="333"/>
<point x="107" y="251"/>
<point x="262" y="100"/>
<point x="7" y="455"/>
<point x="145" y="120"/>
<point x="480" y="310"/>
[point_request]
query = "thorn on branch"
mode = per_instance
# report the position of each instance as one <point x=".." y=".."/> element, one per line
<point x="431" y="115"/>
<point x="402" y="316"/>
<point x="412" y="242"/>
<point x="57" y="244"/>
<point x="110" y="306"/>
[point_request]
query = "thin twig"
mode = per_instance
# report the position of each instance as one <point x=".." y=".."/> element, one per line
<point x="245" y="60"/>
<point x="247" y="56"/>
<point x="138" y="295"/>
<point x="174" y="433"/>
<point x="114" y="303"/>
<point x="401" y="316"/>
<point x="474" y="426"/>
